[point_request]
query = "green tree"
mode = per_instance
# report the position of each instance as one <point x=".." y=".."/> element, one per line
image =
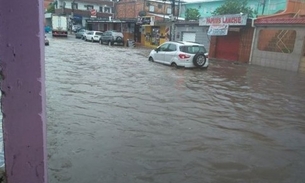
<point x="192" y="14"/>
<point x="235" y="7"/>
<point x="51" y="8"/>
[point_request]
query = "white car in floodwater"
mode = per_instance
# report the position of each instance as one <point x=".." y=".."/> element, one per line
<point x="180" y="54"/>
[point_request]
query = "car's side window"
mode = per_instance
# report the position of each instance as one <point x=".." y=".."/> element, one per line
<point x="164" y="47"/>
<point x="172" y="47"/>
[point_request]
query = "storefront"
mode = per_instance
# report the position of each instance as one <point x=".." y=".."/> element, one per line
<point x="104" y="24"/>
<point x="231" y="37"/>
<point x="154" y="33"/>
<point x="191" y="31"/>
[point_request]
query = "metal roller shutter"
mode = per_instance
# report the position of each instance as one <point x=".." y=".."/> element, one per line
<point x="189" y="36"/>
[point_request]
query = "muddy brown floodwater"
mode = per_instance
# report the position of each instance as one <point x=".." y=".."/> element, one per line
<point x="114" y="117"/>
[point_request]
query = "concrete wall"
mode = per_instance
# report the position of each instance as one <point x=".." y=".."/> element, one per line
<point x="286" y="61"/>
<point x="201" y="33"/>
<point x="23" y="90"/>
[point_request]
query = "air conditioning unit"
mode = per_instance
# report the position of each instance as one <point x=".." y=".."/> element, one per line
<point x="172" y="18"/>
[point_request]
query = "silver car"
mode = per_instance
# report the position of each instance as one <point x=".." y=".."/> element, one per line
<point x="80" y="34"/>
<point x="180" y="54"/>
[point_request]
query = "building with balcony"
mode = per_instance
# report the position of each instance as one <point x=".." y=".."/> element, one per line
<point x="83" y="12"/>
<point x="148" y="22"/>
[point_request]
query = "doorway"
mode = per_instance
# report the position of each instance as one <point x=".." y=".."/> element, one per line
<point x="227" y="47"/>
<point x="137" y="34"/>
<point x="155" y="36"/>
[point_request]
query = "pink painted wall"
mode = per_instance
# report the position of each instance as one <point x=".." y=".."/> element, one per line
<point x="23" y="87"/>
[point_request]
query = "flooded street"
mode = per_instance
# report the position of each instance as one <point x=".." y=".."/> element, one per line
<point x="114" y="117"/>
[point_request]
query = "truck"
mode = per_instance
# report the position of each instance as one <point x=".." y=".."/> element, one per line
<point x="59" y="26"/>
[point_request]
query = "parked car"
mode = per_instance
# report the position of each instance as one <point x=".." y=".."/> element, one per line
<point x="180" y="54"/>
<point x="46" y="41"/>
<point x="112" y="38"/>
<point x="80" y="33"/>
<point x="93" y="36"/>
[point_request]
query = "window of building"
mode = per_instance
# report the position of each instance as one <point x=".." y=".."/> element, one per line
<point x="101" y="9"/>
<point x="169" y="10"/>
<point x="151" y="8"/>
<point x="107" y="10"/>
<point x="276" y="40"/>
<point x="89" y="7"/>
<point x="74" y="6"/>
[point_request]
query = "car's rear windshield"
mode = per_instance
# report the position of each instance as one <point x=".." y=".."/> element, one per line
<point x="99" y="33"/>
<point x="192" y="49"/>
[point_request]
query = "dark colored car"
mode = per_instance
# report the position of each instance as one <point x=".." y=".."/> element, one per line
<point x="112" y="38"/>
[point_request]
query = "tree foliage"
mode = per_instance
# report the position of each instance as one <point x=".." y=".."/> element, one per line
<point x="51" y="8"/>
<point x="192" y="14"/>
<point x="235" y="7"/>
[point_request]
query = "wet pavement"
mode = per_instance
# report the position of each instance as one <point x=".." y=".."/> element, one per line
<point x="114" y="117"/>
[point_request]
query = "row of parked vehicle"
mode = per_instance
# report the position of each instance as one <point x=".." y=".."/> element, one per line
<point x="174" y="53"/>
<point x="110" y="37"/>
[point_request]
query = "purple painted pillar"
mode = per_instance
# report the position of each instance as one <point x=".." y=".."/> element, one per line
<point x="23" y="90"/>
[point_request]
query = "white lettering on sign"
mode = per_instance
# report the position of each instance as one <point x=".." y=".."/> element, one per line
<point x="224" y="19"/>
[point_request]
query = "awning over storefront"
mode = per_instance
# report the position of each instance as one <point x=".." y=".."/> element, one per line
<point x="283" y="21"/>
<point x="77" y="17"/>
<point x="102" y="20"/>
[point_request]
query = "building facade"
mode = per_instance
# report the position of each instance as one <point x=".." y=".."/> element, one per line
<point x="147" y="22"/>
<point x="191" y="31"/>
<point x="81" y="12"/>
<point x="280" y="39"/>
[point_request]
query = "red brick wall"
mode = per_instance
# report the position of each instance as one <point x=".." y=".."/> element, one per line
<point x="131" y="8"/>
<point x="46" y="3"/>
<point x="128" y="9"/>
<point x="161" y="10"/>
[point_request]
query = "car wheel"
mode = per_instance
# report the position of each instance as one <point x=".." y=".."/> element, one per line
<point x="100" y="41"/>
<point x="174" y="65"/>
<point x="109" y="43"/>
<point x="92" y="40"/>
<point x="151" y="59"/>
<point x="199" y="59"/>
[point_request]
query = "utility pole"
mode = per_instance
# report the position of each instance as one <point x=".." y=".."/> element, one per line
<point x="173" y="7"/>
<point x="172" y="27"/>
